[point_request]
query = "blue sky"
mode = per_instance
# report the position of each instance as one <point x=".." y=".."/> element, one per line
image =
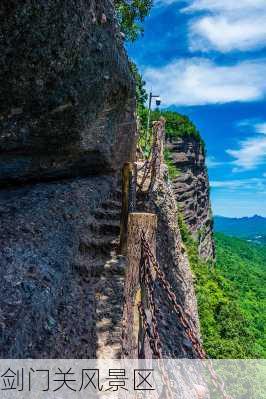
<point x="207" y="59"/>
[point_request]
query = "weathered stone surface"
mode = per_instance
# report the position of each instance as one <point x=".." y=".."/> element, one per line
<point x="57" y="282"/>
<point x="67" y="96"/>
<point x="173" y="261"/>
<point x="191" y="188"/>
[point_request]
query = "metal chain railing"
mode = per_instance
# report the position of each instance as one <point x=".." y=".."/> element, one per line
<point x="152" y="332"/>
<point x="150" y="270"/>
<point x="183" y="316"/>
<point x="147" y="264"/>
<point x="151" y="162"/>
<point x="147" y="164"/>
<point x="147" y="283"/>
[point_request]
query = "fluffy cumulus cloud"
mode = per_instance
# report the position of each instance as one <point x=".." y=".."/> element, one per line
<point x="199" y="81"/>
<point x="250" y="155"/>
<point x="223" y="5"/>
<point x="225" y="25"/>
<point x="228" y="33"/>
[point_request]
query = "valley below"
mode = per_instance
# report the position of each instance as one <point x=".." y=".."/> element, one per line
<point x="231" y="297"/>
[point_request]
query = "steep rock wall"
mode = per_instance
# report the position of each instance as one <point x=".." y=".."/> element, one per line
<point x="48" y="259"/>
<point x="66" y="113"/>
<point x="173" y="261"/>
<point x="67" y="95"/>
<point x="191" y="189"/>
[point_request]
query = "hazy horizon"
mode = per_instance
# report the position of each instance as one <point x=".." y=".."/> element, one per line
<point x="241" y="217"/>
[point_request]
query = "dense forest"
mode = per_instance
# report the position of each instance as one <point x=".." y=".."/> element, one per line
<point x="232" y="297"/>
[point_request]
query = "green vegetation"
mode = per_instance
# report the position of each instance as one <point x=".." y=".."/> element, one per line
<point x="173" y="172"/>
<point x="231" y="297"/>
<point x="176" y="126"/>
<point x="131" y="14"/>
<point x="141" y="94"/>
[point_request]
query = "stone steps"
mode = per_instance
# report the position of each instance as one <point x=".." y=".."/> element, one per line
<point x="104" y="269"/>
<point x="103" y="245"/>
<point x="110" y="214"/>
<point x="106" y="227"/>
<point x="111" y="204"/>
<point x="109" y="314"/>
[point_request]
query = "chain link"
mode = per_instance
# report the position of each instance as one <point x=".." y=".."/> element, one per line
<point x="183" y="316"/>
<point x="150" y="262"/>
<point x="147" y="282"/>
<point x="148" y="165"/>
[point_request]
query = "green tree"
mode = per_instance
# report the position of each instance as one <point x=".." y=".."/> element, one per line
<point x="141" y="94"/>
<point x="231" y="296"/>
<point x="131" y="14"/>
<point x="177" y="125"/>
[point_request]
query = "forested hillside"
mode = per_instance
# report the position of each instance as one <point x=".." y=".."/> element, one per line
<point x="232" y="297"/>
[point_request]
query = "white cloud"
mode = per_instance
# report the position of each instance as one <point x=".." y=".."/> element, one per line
<point x="199" y="81"/>
<point x="252" y="151"/>
<point x="225" y="33"/>
<point x="224" y="5"/>
<point x="250" y="155"/>
<point x="261" y="127"/>
<point x="231" y="184"/>
<point x="256" y="184"/>
<point x="229" y="25"/>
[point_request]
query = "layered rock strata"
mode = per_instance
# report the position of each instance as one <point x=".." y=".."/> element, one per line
<point x="191" y="189"/>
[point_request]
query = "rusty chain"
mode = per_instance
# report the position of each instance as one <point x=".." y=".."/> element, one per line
<point x="148" y="262"/>
<point x="148" y="165"/>
<point x="146" y="281"/>
<point x="184" y="318"/>
<point x="147" y="170"/>
<point x="147" y="330"/>
<point x="157" y="353"/>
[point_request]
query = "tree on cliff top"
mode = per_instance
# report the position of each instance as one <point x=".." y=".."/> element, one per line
<point x="131" y="13"/>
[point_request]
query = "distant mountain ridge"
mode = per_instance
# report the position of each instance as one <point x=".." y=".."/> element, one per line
<point x="251" y="228"/>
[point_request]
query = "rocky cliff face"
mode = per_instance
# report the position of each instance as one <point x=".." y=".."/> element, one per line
<point x="173" y="261"/>
<point x="191" y="189"/>
<point x="67" y="96"/>
<point x="66" y="113"/>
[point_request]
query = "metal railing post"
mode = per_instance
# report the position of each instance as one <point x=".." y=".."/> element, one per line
<point x="135" y="343"/>
<point x="129" y="187"/>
